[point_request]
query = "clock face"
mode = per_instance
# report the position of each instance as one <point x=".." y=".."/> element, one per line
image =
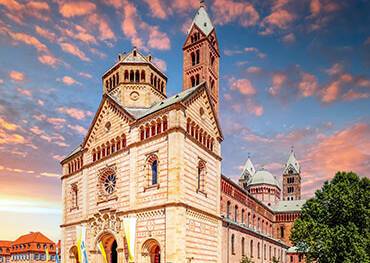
<point x="134" y="95"/>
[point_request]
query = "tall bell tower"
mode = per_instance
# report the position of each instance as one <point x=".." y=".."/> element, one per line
<point x="201" y="55"/>
<point x="292" y="179"/>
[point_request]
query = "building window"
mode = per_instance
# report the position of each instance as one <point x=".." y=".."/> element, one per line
<point x="236" y="214"/>
<point x="107" y="182"/>
<point x="228" y="209"/>
<point x="242" y="219"/>
<point x="282" y="231"/>
<point x="152" y="170"/>
<point x="264" y="251"/>
<point x="251" y="248"/>
<point x="192" y="58"/>
<point x="201" y="176"/>
<point x="197" y="56"/>
<point x="233" y="244"/>
<point x="243" y="252"/>
<point x="300" y="258"/>
<point x="74" y="192"/>
<point x="258" y="250"/>
<point x="269" y="252"/>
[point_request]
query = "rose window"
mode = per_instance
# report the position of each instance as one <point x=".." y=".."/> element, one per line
<point x="107" y="182"/>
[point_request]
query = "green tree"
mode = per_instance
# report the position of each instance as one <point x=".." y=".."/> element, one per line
<point x="334" y="225"/>
<point x="275" y="260"/>
<point x="245" y="259"/>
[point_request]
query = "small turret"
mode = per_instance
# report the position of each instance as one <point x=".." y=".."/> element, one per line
<point x="292" y="178"/>
<point x="247" y="173"/>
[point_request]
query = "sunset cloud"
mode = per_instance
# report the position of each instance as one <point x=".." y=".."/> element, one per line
<point x="4" y="124"/>
<point x="278" y="80"/>
<point x="161" y="64"/>
<point x="48" y="59"/>
<point x="308" y="84"/>
<point x="76" y="8"/>
<point x="24" y="92"/>
<point x="16" y="75"/>
<point x="244" y="86"/>
<point x="75" y="113"/>
<point x="78" y="128"/>
<point x="226" y="11"/>
<point x="74" y="50"/>
<point x="46" y="33"/>
<point x="254" y="70"/>
<point x="15" y="170"/>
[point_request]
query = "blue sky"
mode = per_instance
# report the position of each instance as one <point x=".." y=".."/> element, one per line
<point x="291" y="73"/>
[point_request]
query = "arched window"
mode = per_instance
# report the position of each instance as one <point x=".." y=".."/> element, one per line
<point x="155" y="81"/>
<point x="153" y="128"/>
<point x="197" y="80"/>
<point x="126" y="75"/>
<point x="137" y="76"/>
<point x="98" y="154"/>
<point x="162" y="86"/>
<point x="270" y="252"/>
<point x="243" y="251"/>
<point x="113" y="146"/>
<point x="236" y="214"/>
<point x="192" y="80"/>
<point x="93" y="155"/>
<point x="151" y="78"/>
<point x="147" y="131"/>
<point x="108" y="148"/>
<point x="143" y="76"/>
<point x="152" y="164"/>
<point x="264" y="251"/>
<point x="201" y="175"/>
<point x="258" y="250"/>
<point x="114" y="81"/>
<point x="188" y="126"/>
<point x="165" y="124"/>
<point x="159" y="126"/>
<point x="197" y="56"/>
<point x="233" y="244"/>
<point x="117" y="78"/>
<point x="118" y="143"/>
<point x="132" y="76"/>
<point x="142" y="133"/>
<point x="74" y="192"/>
<point x="251" y="248"/>
<point x="282" y="231"/>
<point x="228" y="209"/>
<point x="102" y="151"/>
<point x="192" y="58"/>
<point x="106" y="84"/>
<point x="124" y="141"/>
<point x="242" y="219"/>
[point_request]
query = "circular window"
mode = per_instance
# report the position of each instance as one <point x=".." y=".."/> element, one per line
<point x="134" y="95"/>
<point x="201" y="113"/>
<point x="110" y="183"/>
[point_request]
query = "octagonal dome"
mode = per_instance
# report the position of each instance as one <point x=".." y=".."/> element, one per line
<point x="263" y="177"/>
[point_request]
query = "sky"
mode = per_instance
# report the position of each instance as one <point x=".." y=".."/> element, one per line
<point x="292" y="73"/>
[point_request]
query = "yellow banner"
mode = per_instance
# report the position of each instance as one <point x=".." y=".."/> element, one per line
<point x="102" y="251"/>
<point x="129" y="226"/>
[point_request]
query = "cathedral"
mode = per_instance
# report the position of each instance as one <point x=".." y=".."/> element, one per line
<point x="158" y="159"/>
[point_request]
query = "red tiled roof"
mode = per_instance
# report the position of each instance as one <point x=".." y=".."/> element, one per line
<point x="32" y="238"/>
<point x="5" y="243"/>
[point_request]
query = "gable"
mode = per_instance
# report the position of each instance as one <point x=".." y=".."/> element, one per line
<point x="110" y="121"/>
<point x="200" y="110"/>
<point x="193" y="30"/>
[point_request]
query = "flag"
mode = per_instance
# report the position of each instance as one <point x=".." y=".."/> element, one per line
<point x="129" y="225"/>
<point x="81" y="247"/>
<point x="78" y="234"/>
<point x="102" y="251"/>
<point x="56" y="255"/>
<point x="47" y="255"/>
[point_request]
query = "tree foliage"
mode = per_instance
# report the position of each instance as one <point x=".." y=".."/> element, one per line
<point x="334" y="225"/>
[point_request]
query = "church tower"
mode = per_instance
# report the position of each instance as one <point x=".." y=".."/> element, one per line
<point x="201" y="55"/>
<point x="292" y="179"/>
<point x="247" y="173"/>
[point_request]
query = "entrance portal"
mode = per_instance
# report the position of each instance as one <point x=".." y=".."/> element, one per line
<point x="110" y="247"/>
<point x="152" y="251"/>
<point x="73" y="254"/>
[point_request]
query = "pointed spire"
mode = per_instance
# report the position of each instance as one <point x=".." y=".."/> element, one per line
<point x="202" y="19"/>
<point x="248" y="169"/>
<point x="292" y="163"/>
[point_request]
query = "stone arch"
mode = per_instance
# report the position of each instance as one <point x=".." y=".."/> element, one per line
<point x="151" y="251"/>
<point x="112" y="245"/>
<point x="73" y="255"/>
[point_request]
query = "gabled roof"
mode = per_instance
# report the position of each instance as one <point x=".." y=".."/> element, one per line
<point x="33" y="237"/>
<point x="288" y="206"/>
<point x="248" y="169"/>
<point x="202" y="21"/>
<point x="292" y="163"/>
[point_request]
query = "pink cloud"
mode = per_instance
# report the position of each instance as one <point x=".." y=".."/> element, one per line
<point x="77" y="128"/>
<point x="278" y="80"/>
<point x="37" y="5"/>
<point x="254" y="70"/>
<point x="157" y="8"/>
<point x="85" y="75"/>
<point x="11" y="5"/>
<point x="158" y="39"/>
<point x="244" y="86"/>
<point x="16" y="75"/>
<point x="105" y="31"/>
<point x="48" y="59"/>
<point x="354" y="95"/>
<point x="332" y="91"/>
<point x="280" y="18"/>
<point x="315" y="7"/>
<point x="75" y="113"/>
<point x="76" y="8"/>
<point x="308" y="84"/>
<point x="24" y="92"/>
<point x="46" y="33"/>
<point x="11" y="138"/>
<point x="4" y="124"/>
<point x="289" y="38"/>
<point x="160" y="63"/>
<point x="74" y="50"/>
<point x="335" y="69"/>
<point x="28" y="40"/>
<point x="69" y="81"/>
<point x="226" y="11"/>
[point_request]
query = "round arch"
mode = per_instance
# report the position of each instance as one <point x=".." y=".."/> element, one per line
<point x="73" y="255"/>
<point x="110" y="243"/>
<point x="151" y="251"/>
